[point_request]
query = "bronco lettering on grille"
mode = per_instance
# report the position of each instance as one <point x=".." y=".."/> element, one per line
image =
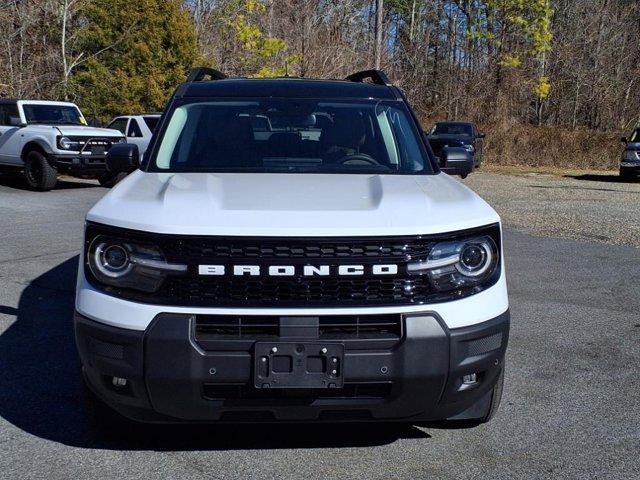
<point x="302" y="270"/>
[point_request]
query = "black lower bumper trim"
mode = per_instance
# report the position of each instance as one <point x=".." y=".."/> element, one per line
<point x="170" y="378"/>
<point x="79" y="165"/>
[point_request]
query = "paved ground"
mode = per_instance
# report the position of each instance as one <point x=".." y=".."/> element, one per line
<point x="570" y="408"/>
<point x="592" y="207"/>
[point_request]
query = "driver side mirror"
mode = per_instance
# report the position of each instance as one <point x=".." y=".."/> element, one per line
<point x="16" y="122"/>
<point x="123" y="158"/>
<point x="482" y="135"/>
<point x="624" y="140"/>
<point x="456" y="161"/>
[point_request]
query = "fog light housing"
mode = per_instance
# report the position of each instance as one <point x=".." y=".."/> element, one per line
<point x="470" y="379"/>
<point x="119" y="382"/>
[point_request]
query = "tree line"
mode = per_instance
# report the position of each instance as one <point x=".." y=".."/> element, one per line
<point x="572" y="64"/>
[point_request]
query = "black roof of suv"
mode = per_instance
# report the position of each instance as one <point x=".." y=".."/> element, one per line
<point x="289" y="87"/>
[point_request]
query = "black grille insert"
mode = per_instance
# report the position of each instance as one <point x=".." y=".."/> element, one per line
<point x="264" y="327"/>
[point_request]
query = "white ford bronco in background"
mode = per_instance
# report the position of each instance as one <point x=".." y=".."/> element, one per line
<point x="289" y="250"/>
<point x="44" y="138"/>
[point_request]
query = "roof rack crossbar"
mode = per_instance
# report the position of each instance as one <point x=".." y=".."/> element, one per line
<point x="376" y="76"/>
<point x="197" y="74"/>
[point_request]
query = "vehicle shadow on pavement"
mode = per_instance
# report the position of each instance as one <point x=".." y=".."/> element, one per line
<point x="593" y="177"/>
<point x="17" y="182"/>
<point x="41" y="391"/>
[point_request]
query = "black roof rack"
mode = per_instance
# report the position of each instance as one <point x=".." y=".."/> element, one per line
<point x="376" y="76"/>
<point x="197" y="74"/>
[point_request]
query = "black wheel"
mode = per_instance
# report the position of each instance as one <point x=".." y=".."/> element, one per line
<point x="481" y="412"/>
<point x="496" y="398"/>
<point x="100" y="418"/>
<point x="109" y="180"/>
<point x="626" y="174"/>
<point x="464" y="176"/>
<point x="38" y="172"/>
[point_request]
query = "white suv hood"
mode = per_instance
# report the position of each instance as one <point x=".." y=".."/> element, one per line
<point x="297" y="205"/>
<point x="80" y="131"/>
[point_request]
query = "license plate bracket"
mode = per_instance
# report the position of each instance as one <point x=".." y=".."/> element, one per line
<point x="298" y="365"/>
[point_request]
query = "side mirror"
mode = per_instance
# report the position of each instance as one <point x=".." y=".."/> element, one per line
<point x="624" y="140"/>
<point x="123" y="158"/>
<point x="16" y="122"/>
<point x="456" y="161"/>
<point x="482" y="135"/>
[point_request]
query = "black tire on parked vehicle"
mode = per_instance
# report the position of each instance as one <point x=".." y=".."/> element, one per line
<point x="109" y="180"/>
<point x="477" y="417"/>
<point x="626" y="174"/>
<point x="100" y="417"/>
<point x="496" y="397"/>
<point x="38" y="172"/>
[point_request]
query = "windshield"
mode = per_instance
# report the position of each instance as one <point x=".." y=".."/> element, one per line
<point x="452" y="129"/>
<point x="53" y="114"/>
<point x="290" y="136"/>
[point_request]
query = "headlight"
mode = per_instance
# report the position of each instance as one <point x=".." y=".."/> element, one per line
<point x="126" y="264"/>
<point x="469" y="148"/>
<point x="631" y="155"/>
<point x="459" y="264"/>
<point x="65" y="143"/>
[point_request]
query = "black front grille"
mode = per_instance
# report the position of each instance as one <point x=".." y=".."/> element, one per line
<point x="240" y="249"/>
<point x="224" y="291"/>
<point x="298" y="290"/>
<point x="268" y="327"/>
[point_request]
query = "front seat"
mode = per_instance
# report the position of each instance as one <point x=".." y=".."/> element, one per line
<point x="344" y="137"/>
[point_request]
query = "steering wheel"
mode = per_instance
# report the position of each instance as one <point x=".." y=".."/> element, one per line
<point x="358" y="159"/>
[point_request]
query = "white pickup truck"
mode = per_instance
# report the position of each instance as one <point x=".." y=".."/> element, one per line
<point x="44" y="138"/>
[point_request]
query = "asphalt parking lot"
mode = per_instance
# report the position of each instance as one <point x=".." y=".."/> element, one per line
<point x="572" y="393"/>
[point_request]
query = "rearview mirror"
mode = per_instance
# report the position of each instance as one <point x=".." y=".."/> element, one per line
<point x="456" y="161"/>
<point x="123" y="158"/>
<point x="16" y="122"/>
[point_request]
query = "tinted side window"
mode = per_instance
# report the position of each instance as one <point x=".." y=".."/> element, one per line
<point x="134" y="129"/>
<point x="8" y="110"/>
<point x="151" y="122"/>
<point x="119" y="124"/>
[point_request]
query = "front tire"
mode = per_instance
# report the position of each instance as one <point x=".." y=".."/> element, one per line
<point x="626" y="174"/>
<point x="101" y="419"/>
<point x="109" y="180"/>
<point x="38" y="172"/>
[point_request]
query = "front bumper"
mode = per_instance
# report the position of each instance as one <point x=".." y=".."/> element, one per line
<point x="78" y="164"/>
<point x="173" y="378"/>
<point x="628" y="166"/>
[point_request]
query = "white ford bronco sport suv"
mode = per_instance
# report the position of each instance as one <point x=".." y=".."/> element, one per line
<point x="288" y="250"/>
<point x="45" y="138"/>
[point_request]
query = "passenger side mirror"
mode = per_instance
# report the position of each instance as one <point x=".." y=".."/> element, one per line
<point x="457" y="161"/>
<point x="16" y="122"/>
<point x="123" y="158"/>
<point x="482" y="135"/>
<point x="624" y="140"/>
